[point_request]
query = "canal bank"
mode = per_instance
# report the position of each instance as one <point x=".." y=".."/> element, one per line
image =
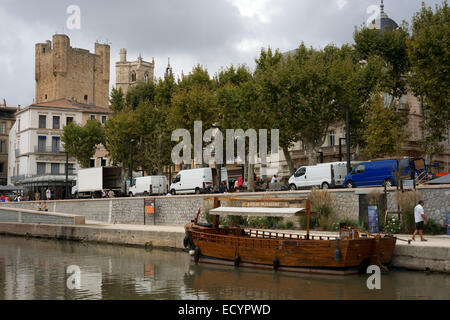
<point x="433" y="255"/>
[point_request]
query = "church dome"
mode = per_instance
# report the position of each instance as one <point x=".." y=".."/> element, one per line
<point x="383" y="22"/>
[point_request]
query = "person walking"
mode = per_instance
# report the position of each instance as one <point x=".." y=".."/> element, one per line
<point x="37" y="196"/>
<point x="420" y="220"/>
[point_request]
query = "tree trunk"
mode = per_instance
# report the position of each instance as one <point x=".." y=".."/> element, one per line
<point x="289" y="161"/>
<point x="312" y="155"/>
<point x="250" y="179"/>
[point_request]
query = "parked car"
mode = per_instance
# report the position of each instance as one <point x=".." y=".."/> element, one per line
<point x="149" y="185"/>
<point x="384" y="172"/>
<point x="192" y="181"/>
<point x="324" y="175"/>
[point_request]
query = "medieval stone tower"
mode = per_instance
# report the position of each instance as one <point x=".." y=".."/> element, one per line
<point x="129" y="73"/>
<point x="63" y="72"/>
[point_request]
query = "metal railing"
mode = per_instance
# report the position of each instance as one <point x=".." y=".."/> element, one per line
<point x="51" y="149"/>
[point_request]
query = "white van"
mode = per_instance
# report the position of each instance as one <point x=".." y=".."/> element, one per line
<point x="148" y="185"/>
<point x="192" y="181"/>
<point x="323" y="175"/>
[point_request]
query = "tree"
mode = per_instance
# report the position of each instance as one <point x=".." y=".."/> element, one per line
<point x="430" y="80"/>
<point x="143" y="91"/>
<point x="117" y="100"/>
<point x="194" y="100"/>
<point x="384" y="133"/>
<point x="119" y="130"/>
<point x="81" y="141"/>
<point x="391" y="47"/>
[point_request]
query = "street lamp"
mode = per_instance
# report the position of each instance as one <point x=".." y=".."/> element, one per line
<point x="347" y="134"/>
<point x="131" y="162"/>
<point x="219" y="165"/>
<point x="340" y="148"/>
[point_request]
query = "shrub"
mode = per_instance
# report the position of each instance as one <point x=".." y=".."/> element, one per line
<point x="393" y="225"/>
<point x="313" y="222"/>
<point x="322" y="203"/>
<point x="432" y="227"/>
<point x="347" y="221"/>
<point x="407" y="201"/>
<point x="265" y="222"/>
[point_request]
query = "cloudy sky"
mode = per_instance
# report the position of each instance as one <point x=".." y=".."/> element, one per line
<point x="213" y="33"/>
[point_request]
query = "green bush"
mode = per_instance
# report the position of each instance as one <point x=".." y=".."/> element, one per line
<point x="432" y="227"/>
<point x="265" y="222"/>
<point x="347" y="221"/>
<point x="234" y="221"/>
<point x="393" y="225"/>
<point x="313" y="222"/>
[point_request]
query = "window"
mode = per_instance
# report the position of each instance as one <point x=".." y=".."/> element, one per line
<point x="3" y="128"/>
<point x="69" y="120"/>
<point x="300" y="172"/>
<point x="85" y="97"/>
<point x="92" y="163"/>
<point x="45" y="96"/>
<point x="55" y="144"/>
<point x="103" y="119"/>
<point x="177" y="179"/>
<point x="18" y="125"/>
<point x="146" y="77"/>
<point x="56" y="122"/>
<point x="42" y="142"/>
<point x="2" y="167"/>
<point x="331" y="138"/>
<point x="3" y="146"/>
<point x="41" y="168"/>
<point x="102" y="162"/>
<point x="42" y="121"/>
<point x="133" y="76"/>
<point x="70" y="168"/>
<point x="55" y="168"/>
<point x="92" y="117"/>
<point x="359" y="169"/>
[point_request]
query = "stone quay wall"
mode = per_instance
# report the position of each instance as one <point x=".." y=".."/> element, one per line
<point x="178" y="210"/>
<point x="33" y="216"/>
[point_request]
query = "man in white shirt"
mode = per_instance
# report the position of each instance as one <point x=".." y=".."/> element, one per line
<point x="420" y="219"/>
<point x="274" y="179"/>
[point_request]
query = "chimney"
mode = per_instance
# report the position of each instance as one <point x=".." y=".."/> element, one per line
<point x="4" y="103"/>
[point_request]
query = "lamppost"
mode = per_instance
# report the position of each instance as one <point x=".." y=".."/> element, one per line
<point x="340" y="148"/>
<point x="219" y="166"/>
<point x="347" y="134"/>
<point x="131" y="162"/>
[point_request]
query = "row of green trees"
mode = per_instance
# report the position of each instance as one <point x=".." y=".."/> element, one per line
<point x="299" y="94"/>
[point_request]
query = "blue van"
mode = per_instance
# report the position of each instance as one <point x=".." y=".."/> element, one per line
<point x="383" y="172"/>
<point x="372" y="173"/>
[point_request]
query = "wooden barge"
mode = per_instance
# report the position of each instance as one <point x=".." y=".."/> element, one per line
<point x="351" y="250"/>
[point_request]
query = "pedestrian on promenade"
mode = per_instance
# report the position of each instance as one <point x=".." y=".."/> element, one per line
<point x="37" y="196"/>
<point x="420" y="220"/>
<point x="111" y="194"/>
<point x="274" y="179"/>
<point x="43" y="206"/>
<point x="48" y="194"/>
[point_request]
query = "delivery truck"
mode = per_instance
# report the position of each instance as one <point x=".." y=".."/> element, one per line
<point x="92" y="181"/>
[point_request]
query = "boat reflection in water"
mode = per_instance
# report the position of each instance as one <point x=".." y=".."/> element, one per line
<point x="223" y="282"/>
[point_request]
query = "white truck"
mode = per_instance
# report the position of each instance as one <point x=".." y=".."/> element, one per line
<point x="92" y="181"/>
<point x="149" y="185"/>
<point x="323" y="175"/>
<point x="196" y="180"/>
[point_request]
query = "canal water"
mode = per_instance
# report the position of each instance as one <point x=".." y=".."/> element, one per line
<point x="37" y="269"/>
